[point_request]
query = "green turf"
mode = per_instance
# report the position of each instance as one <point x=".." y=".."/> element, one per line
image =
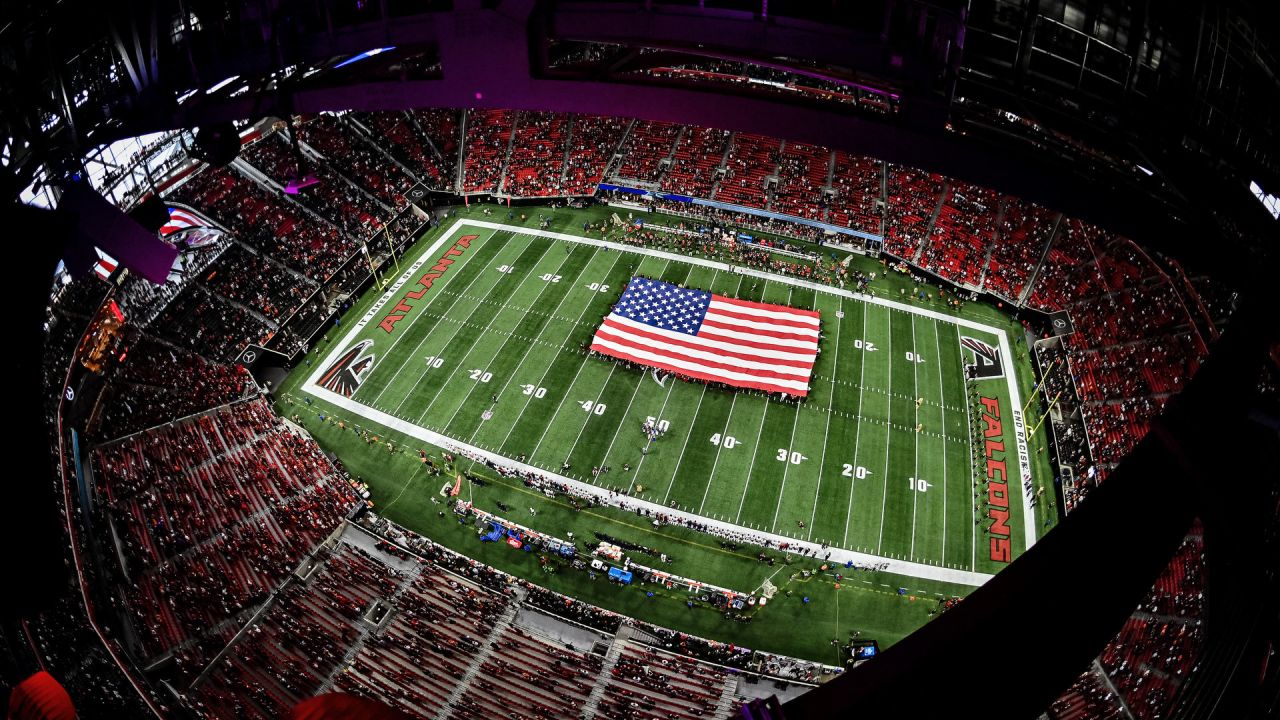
<point x="509" y="319"/>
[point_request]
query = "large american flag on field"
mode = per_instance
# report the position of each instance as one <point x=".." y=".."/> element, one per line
<point x="701" y="335"/>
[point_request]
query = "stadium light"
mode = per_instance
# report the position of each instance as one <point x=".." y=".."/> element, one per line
<point x="222" y="84"/>
<point x="363" y="55"/>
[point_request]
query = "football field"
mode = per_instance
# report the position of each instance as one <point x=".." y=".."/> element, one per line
<point x="480" y="343"/>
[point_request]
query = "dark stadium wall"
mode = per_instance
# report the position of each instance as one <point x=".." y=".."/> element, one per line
<point x="488" y="61"/>
<point x="35" y="574"/>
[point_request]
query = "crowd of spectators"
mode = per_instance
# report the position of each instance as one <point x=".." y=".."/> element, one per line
<point x="695" y="162"/>
<point x="802" y="176"/>
<point x="158" y="382"/>
<point x="1155" y="651"/>
<point x="211" y="513"/>
<point x="364" y="164"/>
<point x="537" y="155"/>
<point x="270" y="223"/>
<point x="408" y="145"/>
<point x="333" y="198"/>
<point x="1024" y="233"/>
<point x="856" y="192"/>
<point x="141" y="300"/>
<point x="485" y="148"/>
<point x="70" y="651"/>
<point x="254" y="281"/>
<point x="645" y="149"/>
<point x="198" y="321"/>
<point x="912" y="196"/>
<point x="962" y="233"/>
<point x="591" y="146"/>
<point x="751" y="159"/>
<point x="440" y="126"/>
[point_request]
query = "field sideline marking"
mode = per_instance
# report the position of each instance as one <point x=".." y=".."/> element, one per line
<point x="461" y="363"/>
<point x="719" y="449"/>
<point x="752" y="468"/>
<point x="519" y="366"/>
<point x="413" y="320"/>
<point x="915" y="388"/>
<point x="942" y="390"/>
<point x="547" y="370"/>
<point x="585" y="489"/>
<point x="887" y="427"/>
<point x="680" y="459"/>
<point x="447" y="236"/>
<point x="786" y="468"/>
<point x="826" y="432"/>
<point x="472" y="349"/>
<point x="857" y="431"/>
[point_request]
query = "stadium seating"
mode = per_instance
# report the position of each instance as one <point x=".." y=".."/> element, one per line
<point x="855" y="183"/>
<point x="1025" y="229"/>
<point x="961" y="234"/>
<point x="538" y="152"/>
<point x="408" y="146"/>
<point x="254" y="281"/>
<point x="645" y="148"/>
<point x="359" y="161"/>
<point x="159" y="382"/>
<point x="485" y="148"/>
<point x="280" y="229"/>
<point x="212" y="513"/>
<point x="198" y="321"/>
<point x="591" y="147"/>
<point x="751" y="159"/>
<point x="697" y="155"/>
<point x="332" y="198"/>
<point x="912" y="197"/>
<point x="802" y="175"/>
<point x="440" y="127"/>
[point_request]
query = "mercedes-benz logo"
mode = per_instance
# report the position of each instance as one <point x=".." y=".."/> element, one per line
<point x="250" y="356"/>
<point x="69" y="394"/>
<point x="1059" y="323"/>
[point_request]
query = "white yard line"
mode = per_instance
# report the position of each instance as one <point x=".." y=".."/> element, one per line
<point x="541" y="379"/>
<point x="786" y="468"/>
<point x="857" y="431"/>
<point x="590" y="415"/>
<point x="688" y="436"/>
<point x="584" y="489"/>
<point x="626" y="412"/>
<point x="751" y="469"/>
<point x="422" y="310"/>
<point x="942" y="399"/>
<point x="973" y="550"/>
<point x="463" y="362"/>
<point x="556" y="414"/>
<point x="719" y="449"/>
<point x="826" y="433"/>
<point x="658" y="418"/>
<point x="915" y="389"/>
<point x="520" y="366"/>
<point x="500" y="310"/>
<point x="888" y="424"/>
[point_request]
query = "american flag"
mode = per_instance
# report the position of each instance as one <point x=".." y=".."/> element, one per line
<point x="180" y="219"/>
<point x="698" y="334"/>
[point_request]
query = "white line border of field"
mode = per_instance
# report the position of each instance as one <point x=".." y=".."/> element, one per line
<point x="839" y="555"/>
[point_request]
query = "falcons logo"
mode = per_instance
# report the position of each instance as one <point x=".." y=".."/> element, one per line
<point x="986" y="360"/>
<point x="347" y="372"/>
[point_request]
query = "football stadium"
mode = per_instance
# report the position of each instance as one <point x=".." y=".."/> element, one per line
<point x="643" y="360"/>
